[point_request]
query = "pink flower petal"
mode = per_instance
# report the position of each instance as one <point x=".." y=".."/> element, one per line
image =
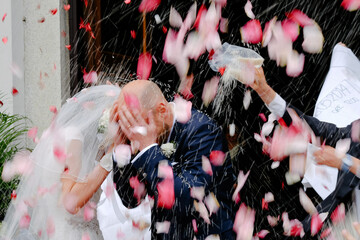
<point x="313" y="39"/>
<point x="66" y="7"/>
<point x="109" y="189"/>
<point x="144" y="66"/>
<point x="122" y="154"/>
<point x="131" y="100"/>
<point x="89" y="211"/>
<point x="53" y="11"/>
<point x="273" y="221"/>
<point x="24" y="221"/>
<point x="162" y="227"/>
<point x="139" y="188"/>
<point x="244" y="222"/>
<point x="85" y="236"/>
<point x="50" y="227"/>
<point x="206" y="165"/>
<point x="182" y="109"/>
<point x="269" y="197"/>
<point x="316" y="224"/>
<point x="194" y="46"/>
<point x="224" y="22"/>
<point x="32" y="133"/>
<point x="247" y="99"/>
<point x="262" y="116"/>
<point x="262" y="234"/>
<point x="338" y="215"/>
<point x="295" y="64"/>
<point x="197" y="193"/>
<point x="90" y="77"/>
<point x="166" y="197"/>
<point x="307" y="203"/>
<point x="59" y="153"/>
<point x="201" y="208"/>
<point x="210" y="89"/>
<point x="191" y="16"/>
<point x="4" y="16"/>
<point x="175" y="19"/>
<point x="194" y="225"/>
<point x="251" y="32"/>
<point x="149" y="5"/>
<point x="268" y="31"/>
<point x="212" y="203"/>
<point x="53" y="109"/>
<point x="165" y="170"/>
<point x="240" y="183"/>
<point x="351" y="5"/>
<point x="299" y="17"/>
<point x="4" y="40"/>
<point x="248" y="10"/>
<point x="217" y="158"/>
<point x="291" y="29"/>
<point x="325" y="233"/>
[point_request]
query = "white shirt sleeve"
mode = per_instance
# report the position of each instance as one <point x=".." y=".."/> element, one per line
<point x="277" y="106"/>
<point x="142" y="152"/>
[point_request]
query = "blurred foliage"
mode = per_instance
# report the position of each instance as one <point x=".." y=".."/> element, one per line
<point x="12" y="128"/>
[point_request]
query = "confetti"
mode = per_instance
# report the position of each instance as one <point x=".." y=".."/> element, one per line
<point x="251" y="32"/>
<point x="307" y="203"/>
<point x="316" y="224"/>
<point x="351" y="5"/>
<point x="4" y="16"/>
<point x="53" y="11"/>
<point x="149" y="5"/>
<point x="14" y="91"/>
<point x="299" y="17"/>
<point x="144" y="66"/>
<point x="66" y="7"/>
<point x="166" y="197"/>
<point x="338" y="215"/>
<point x="217" y="157"/>
<point x="4" y="40"/>
<point x="133" y="34"/>
<point x="248" y="10"/>
<point x="139" y="188"/>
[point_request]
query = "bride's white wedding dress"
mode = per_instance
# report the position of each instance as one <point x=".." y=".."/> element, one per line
<point x="38" y="211"/>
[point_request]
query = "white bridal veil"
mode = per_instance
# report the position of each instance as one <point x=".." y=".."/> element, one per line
<point x="36" y="212"/>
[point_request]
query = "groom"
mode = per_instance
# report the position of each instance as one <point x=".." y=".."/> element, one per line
<point x="186" y="193"/>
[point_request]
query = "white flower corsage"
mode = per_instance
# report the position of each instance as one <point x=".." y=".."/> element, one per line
<point x="168" y="149"/>
<point x="104" y="121"/>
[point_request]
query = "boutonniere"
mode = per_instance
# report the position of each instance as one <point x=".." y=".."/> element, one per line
<point x="168" y="149"/>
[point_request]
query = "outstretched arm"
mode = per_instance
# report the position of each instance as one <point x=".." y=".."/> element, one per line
<point x="277" y="105"/>
<point x="76" y="194"/>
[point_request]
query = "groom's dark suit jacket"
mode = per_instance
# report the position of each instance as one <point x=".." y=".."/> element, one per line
<point x="346" y="180"/>
<point x="194" y="139"/>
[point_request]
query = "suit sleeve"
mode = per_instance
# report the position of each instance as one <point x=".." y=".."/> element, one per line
<point x="189" y="173"/>
<point x="326" y="130"/>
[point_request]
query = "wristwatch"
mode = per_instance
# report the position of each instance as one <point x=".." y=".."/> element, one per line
<point x="346" y="163"/>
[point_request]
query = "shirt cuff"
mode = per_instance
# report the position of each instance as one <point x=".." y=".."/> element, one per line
<point x="277" y="106"/>
<point x="142" y="152"/>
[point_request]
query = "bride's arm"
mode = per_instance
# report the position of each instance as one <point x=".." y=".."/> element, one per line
<point x="76" y="194"/>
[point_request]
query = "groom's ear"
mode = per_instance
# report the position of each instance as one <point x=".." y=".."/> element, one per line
<point x="161" y="110"/>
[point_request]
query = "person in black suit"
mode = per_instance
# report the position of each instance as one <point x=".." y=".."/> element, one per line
<point x="141" y="103"/>
<point x="347" y="180"/>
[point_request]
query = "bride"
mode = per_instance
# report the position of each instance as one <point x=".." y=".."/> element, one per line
<point x="59" y="187"/>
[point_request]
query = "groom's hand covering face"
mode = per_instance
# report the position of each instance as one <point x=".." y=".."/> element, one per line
<point x="140" y="132"/>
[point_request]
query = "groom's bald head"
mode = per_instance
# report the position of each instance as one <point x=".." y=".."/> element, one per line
<point x="147" y="92"/>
